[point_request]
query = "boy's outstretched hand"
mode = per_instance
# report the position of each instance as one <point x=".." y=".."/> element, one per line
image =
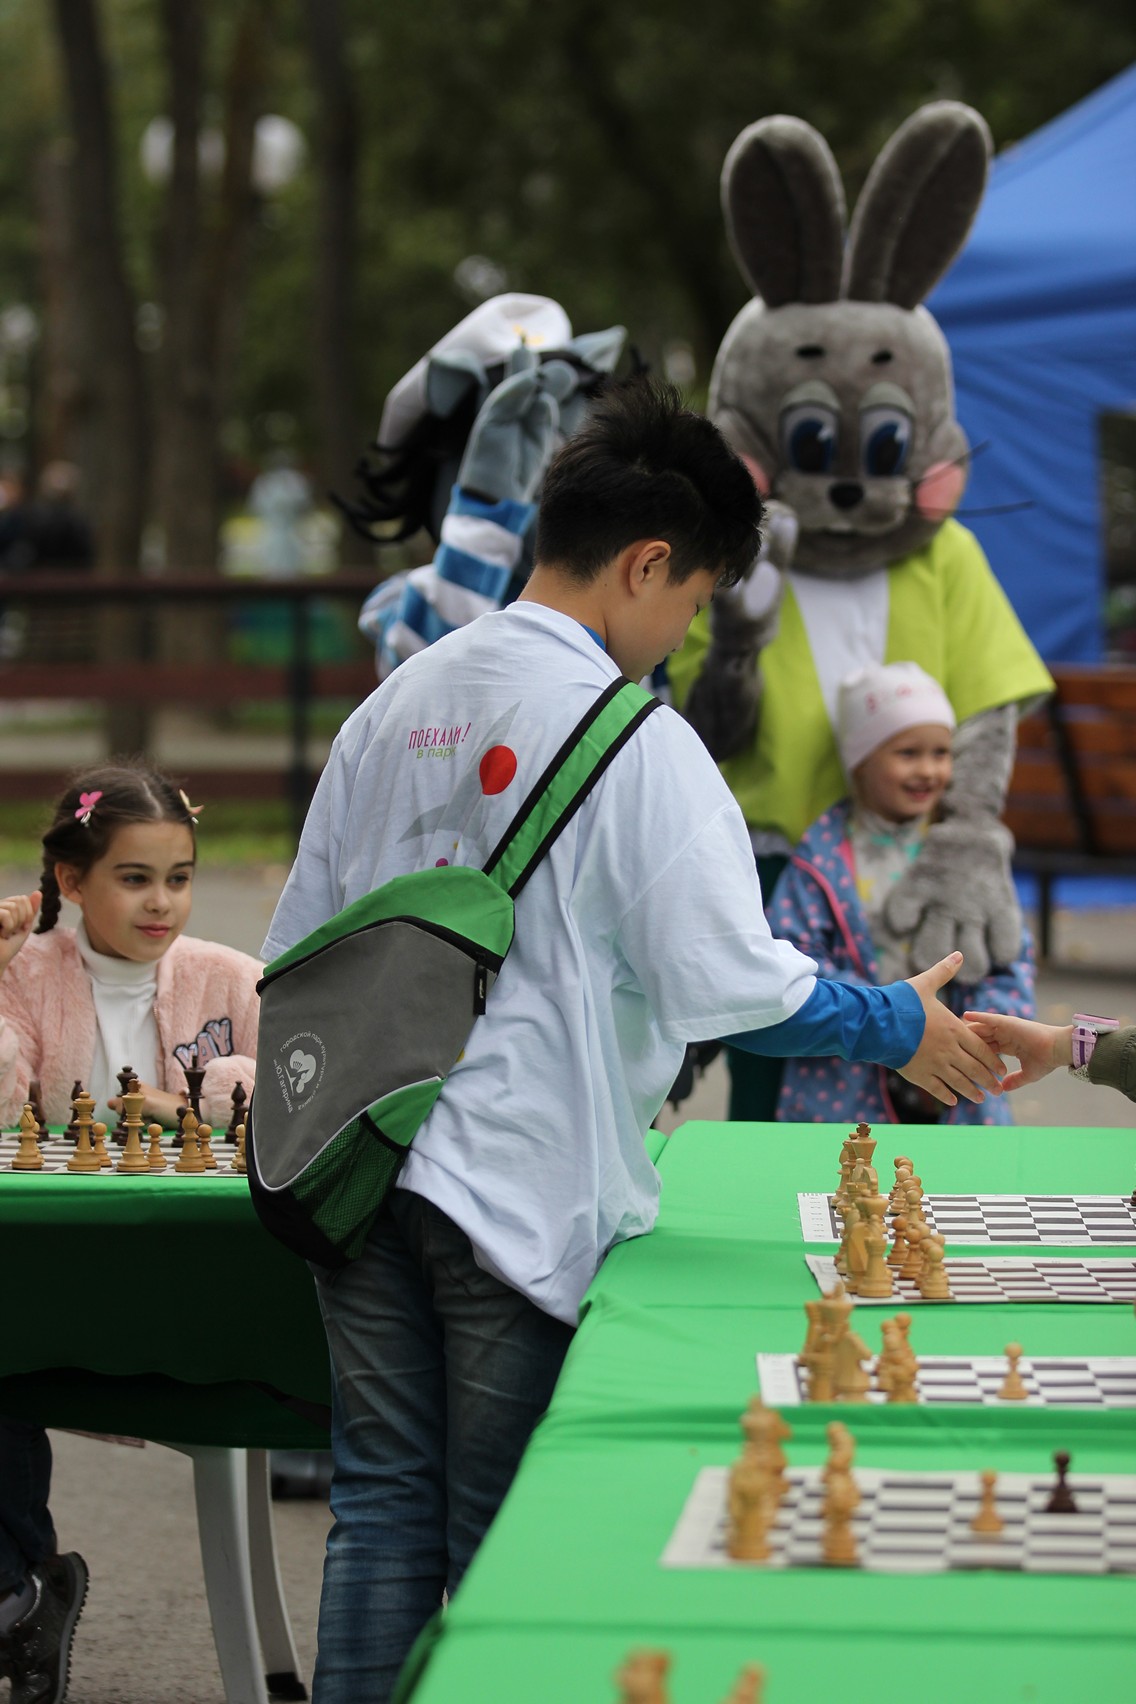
<point x="17" y="920"/>
<point x="952" y="1059"/>
<point x="1038" y="1048"/>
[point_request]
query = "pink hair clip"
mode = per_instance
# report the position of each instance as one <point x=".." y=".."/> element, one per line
<point x="87" y="803"/>
<point x="191" y="811"/>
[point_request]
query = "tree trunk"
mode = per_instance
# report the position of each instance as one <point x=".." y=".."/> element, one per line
<point x="337" y="148"/>
<point x="227" y="253"/>
<point x="688" y="237"/>
<point x="203" y="273"/>
<point x="185" y="474"/>
<point x="111" y="363"/>
<point x="64" y="398"/>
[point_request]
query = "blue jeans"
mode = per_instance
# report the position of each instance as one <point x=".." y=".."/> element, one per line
<point x="27" y="1536"/>
<point x="440" y="1373"/>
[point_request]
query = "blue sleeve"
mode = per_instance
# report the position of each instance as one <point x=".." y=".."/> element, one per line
<point x="881" y="1026"/>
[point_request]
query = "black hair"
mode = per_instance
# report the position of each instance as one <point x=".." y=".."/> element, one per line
<point x="128" y="792"/>
<point x="645" y="466"/>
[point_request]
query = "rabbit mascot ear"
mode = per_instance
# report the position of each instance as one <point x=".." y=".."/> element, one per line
<point x="834" y="385"/>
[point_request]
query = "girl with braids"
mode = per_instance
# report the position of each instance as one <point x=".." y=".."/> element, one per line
<point x="126" y="986"/>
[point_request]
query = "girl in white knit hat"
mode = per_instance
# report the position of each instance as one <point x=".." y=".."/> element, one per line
<point x="894" y="728"/>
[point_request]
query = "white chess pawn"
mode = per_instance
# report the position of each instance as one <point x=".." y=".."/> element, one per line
<point x="1013" y="1387"/>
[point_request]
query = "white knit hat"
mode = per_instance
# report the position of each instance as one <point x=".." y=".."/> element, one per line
<point x="876" y="703"/>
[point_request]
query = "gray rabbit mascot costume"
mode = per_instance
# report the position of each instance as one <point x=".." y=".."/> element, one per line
<point x="834" y="384"/>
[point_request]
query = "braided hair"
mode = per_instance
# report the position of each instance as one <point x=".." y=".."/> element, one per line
<point x="128" y="792"/>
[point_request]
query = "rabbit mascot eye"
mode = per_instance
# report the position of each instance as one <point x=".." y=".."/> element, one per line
<point x="834" y="384"/>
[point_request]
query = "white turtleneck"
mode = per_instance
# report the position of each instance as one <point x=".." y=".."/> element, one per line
<point x="126" y="1030"/>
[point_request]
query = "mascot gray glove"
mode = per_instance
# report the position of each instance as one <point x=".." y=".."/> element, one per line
<point x="959" y="893"/>
<point x="723" y="701"/>
<point x="959" y="896"/>
<point x="517" y="431"/>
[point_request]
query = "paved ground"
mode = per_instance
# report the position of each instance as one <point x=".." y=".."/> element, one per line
<point x="145" y="1636"/>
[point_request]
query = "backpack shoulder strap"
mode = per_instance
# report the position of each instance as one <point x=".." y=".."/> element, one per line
<point x="598" y="736"/>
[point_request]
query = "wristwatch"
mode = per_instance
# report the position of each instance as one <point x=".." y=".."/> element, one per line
<point x="1086" y="1030"/>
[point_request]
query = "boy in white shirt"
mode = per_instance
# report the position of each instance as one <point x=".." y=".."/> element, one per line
<point x="642" y="929"/>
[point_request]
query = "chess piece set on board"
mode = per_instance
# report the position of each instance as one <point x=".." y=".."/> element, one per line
<point x="86" y="1138"/>
<point x="832" y="1357"/>
<point x="642" y="1679"/>
<point x="866" y="1264"/>
<point x="758" y="1485"/>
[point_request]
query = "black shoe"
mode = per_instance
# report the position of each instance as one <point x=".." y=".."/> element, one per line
<point x="39" y="1645"/>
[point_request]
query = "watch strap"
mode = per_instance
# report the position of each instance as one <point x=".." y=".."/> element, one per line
<point x="1086" y="1031"/>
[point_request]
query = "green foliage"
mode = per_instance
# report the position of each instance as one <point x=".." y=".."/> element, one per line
<point x="576" y="145"/>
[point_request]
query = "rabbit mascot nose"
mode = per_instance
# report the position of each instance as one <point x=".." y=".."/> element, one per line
<point x="834" y="384"/>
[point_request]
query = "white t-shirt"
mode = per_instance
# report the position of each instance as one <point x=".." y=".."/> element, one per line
<point x="641" y="930"/>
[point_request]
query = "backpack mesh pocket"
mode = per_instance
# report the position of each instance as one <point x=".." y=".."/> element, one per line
<point x="345" y="1185"/>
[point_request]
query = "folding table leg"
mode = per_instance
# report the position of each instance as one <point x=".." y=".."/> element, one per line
<point x="281" y="1663"/>
<point x="220" y="1483"/>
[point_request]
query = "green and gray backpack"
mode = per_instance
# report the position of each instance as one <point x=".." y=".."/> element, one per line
<point x="362" y="1021"/>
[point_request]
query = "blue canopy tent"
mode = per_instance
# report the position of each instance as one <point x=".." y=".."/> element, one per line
<point x="1040" y="313"/>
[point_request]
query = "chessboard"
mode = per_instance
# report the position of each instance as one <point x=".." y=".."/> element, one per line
<point x="1077" y="1220"/>
<point x="1052" y="1381"/>
<point x="57" y="1150"/>
<point x="919" y="1523"/>
<point x="1004" y="1279"/>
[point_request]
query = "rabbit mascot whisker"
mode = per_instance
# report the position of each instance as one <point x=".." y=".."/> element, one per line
<point x="834" y="384"/>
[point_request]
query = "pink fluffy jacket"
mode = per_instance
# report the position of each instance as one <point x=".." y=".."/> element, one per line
<point x="206" y="1000"/>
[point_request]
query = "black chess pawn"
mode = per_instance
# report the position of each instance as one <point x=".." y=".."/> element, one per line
<point x="35" y="1096"/>
<point x="239" y="1097"/>
<point x="125" y="1078"/>
<point x="194" y="1077"/>
<point x="72" y="1131"/>
<point x="1061" y="1501"/>
<point x="179" y="1138"/>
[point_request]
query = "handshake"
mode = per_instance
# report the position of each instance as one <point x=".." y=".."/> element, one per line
<point x="961" y="1056"/>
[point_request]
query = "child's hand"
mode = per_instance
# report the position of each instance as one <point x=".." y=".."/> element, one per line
<point x="17" y="920"/>
<point x="952" y="1059"/>
<point x="159" y="1107"/>
<point x="1038" y="1048"/>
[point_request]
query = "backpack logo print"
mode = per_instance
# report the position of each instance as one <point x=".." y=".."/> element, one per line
<point x="299" y="1068"/>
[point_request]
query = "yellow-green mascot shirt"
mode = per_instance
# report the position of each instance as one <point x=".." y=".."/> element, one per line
<point x="946" y="612"/>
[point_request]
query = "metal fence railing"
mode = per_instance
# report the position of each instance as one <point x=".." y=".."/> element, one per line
<point x="86" y="671"/>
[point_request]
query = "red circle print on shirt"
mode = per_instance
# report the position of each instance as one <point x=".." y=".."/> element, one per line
<point x="497" y="769"/>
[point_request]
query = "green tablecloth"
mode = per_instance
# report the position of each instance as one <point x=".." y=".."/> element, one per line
<point x="730" y="1198"/>
<point x="491" y="1665"/>
<point x="662" y="1366"/>
<point x="155" y="1305"/>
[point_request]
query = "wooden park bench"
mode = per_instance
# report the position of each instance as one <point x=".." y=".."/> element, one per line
<point x="1072" y="800"/>
<point x="296" y="683"/>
